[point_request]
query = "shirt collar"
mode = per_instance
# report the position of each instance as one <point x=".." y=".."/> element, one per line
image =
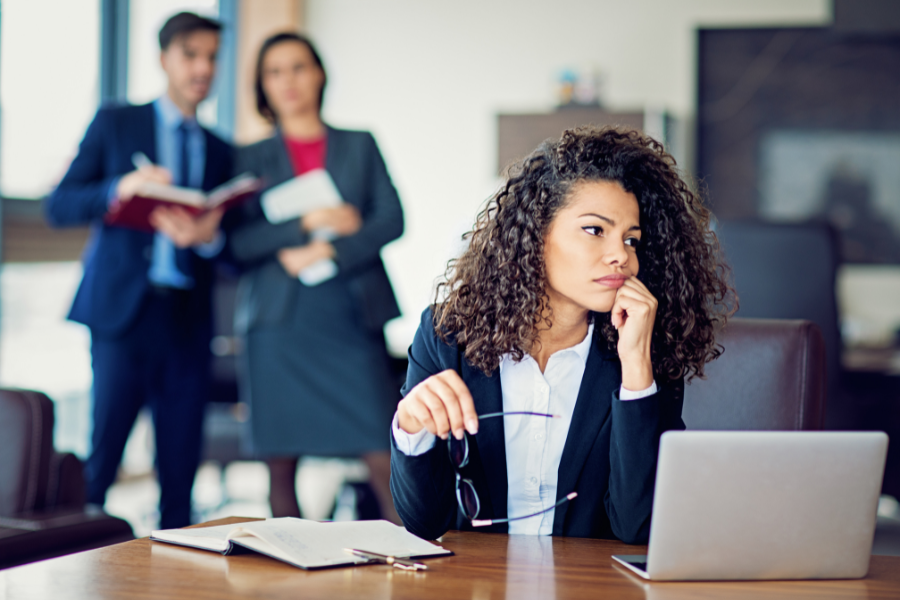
<point x="582" y="349"/>
<point x="170" y="115"/>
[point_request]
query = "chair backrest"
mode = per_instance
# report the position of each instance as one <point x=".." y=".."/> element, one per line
<point x="787" y="271"/>
<point x="26" y="431"/>
<point x="771" y="376"/>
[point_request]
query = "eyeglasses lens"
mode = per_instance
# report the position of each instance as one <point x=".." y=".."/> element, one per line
<point x="459" y="452"/>
<point x="468" y="498"/>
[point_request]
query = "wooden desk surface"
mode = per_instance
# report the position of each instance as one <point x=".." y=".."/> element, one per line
<point x="486" y="566"/>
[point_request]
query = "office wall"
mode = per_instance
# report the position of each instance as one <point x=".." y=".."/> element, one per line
<point x="257" y="20"/>
<point x="429" y="78"/>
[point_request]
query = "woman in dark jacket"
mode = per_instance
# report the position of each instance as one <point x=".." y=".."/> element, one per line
<point x="590" y="289"/>
<point x="316" y="372"/>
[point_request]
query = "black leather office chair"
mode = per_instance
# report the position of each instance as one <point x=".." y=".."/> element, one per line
<point x="42" y="494"/>
<point x="789" y="271"/>
<point x="771" y="376"/>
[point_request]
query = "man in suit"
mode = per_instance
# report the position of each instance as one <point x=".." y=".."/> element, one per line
<point x="146" y="296"/>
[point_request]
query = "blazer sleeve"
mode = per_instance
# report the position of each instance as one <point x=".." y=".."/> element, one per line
<point x="253" y="238"/>
<point x="634" y="448"/>
<point x="83" y="194"/>
<point x="423" y="486"/>
<point x="382" y="218"/>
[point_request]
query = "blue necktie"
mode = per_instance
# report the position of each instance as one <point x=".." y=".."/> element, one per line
<point x="184" y="176"/>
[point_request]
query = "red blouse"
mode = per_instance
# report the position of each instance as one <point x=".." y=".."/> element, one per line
<point x="306" y="155"/>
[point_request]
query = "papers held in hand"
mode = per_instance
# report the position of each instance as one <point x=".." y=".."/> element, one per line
<point x="300" y="196"/>
<point x="305" y="544"/>
<point x="135" y="213"/>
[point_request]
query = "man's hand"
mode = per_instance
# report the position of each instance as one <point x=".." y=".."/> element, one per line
<point x="130" y="182"/>
<point x="294" y="260"/>
<point x="184" y="229"/>
<point x="343" y="220"/>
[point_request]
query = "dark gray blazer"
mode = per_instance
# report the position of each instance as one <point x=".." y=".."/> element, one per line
<point x="266" y="291"/>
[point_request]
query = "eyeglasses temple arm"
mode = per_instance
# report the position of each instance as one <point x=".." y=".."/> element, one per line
<point x="486" y="522"/>
<point x="503" y="414"/>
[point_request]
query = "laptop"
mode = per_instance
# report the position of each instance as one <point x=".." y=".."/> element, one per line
<point x="749" y="505"/>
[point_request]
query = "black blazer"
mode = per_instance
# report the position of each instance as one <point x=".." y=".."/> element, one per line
<point x="266" y="291"/>
<point x="116" y="259"/>
<point x="609" y="457"/>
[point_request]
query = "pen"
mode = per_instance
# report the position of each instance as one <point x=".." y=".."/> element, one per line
<point x="140" y="160"/>
<point x="399" y="563"/>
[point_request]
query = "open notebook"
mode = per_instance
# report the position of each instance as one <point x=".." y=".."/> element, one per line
<point x="135" y="213"/>
<point x="305" y="544"/>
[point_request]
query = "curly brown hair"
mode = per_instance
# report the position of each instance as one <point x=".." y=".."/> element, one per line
<point x="493" y="299"/>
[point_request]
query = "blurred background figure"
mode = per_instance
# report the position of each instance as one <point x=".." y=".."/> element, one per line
<point x="146" y="296"/>
<point x="866" y="236"/>
<point x="317" y="373"/>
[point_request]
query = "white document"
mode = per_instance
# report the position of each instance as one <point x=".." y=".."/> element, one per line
<point x="299" y="196"/>
<point x="303" y="543"/>
<point x="322" y="270"/>
<point x="318" y="272"/>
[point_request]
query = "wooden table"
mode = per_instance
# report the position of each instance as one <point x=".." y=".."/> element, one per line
<point x="486" y="566"/>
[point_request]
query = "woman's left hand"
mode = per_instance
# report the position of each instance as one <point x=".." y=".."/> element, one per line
<point x="294" y="260"/>
<point x="633" y="314"/>
<point x="343" y="220"/>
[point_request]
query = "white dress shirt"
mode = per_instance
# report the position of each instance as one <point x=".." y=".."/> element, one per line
<point x="534" y="445"/>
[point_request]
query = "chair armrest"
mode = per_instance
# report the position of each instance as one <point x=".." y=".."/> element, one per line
<point x="37" y="536"/>
<point x="66" y="488"/>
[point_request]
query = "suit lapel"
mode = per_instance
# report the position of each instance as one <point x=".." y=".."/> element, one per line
<point x="146" y="133"/>
<point x="490" y="440"/>
<point x="212" y="163"/>
<point x="335" y="151"/>
<point x="281" y="161"/>
<point x="592" y="409"/>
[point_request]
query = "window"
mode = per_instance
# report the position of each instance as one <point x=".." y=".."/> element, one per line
<point x="49" y="61"/>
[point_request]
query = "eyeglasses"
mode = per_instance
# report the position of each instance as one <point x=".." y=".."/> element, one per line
<point x="466" y="496"/>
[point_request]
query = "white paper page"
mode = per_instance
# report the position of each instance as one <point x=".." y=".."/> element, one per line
<point x="299" y="196"/>
<point x="244" y="182"/>
<point x="295" y="540"/>
<point x="173" y="193"/>
<point x="382" y="537"/>
<point x="211" y="538"/>
<point x="313" y="544"/>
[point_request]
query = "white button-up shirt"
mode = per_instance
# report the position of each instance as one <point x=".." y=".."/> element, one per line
<point x="534" y="445"/>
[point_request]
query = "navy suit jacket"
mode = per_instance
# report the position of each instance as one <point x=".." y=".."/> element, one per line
<point x="117" y="259"/>
<point x="609" y="456"/>
<point x="266" y="293"/>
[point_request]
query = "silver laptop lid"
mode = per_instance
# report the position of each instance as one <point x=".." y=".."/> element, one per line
<point x="765" y="505"/>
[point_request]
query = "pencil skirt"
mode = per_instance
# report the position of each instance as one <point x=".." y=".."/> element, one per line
<point x="320" y="383"/>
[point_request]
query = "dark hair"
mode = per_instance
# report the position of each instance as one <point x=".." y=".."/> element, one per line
<point x="185" y="23"/>
<point x="262" y="103"/>
<point x="495" y="293"/>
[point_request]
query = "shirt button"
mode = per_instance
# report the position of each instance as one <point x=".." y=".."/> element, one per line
<point x="533" y="480"/>
<point x="539" y="436"/>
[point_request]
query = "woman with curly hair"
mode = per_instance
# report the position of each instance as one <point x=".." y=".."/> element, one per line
<point x="589" y="291"/>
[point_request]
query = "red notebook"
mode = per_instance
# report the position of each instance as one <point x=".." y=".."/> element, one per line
<point x="135" y="213"/>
